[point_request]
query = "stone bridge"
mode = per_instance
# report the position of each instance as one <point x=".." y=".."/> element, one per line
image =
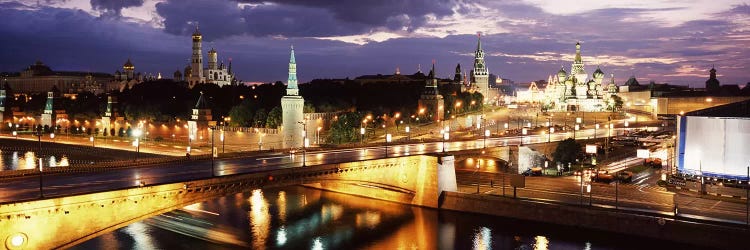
<point x="66" y="221"/>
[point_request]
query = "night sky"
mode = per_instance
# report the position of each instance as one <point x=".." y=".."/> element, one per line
<point x="660" y="40"/>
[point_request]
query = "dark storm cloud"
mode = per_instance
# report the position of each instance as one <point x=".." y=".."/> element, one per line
<point x="372" y="12"/>
<point x="68" y="39"/>
<point x="113" y="8"/>
<point x="297" y="18"/>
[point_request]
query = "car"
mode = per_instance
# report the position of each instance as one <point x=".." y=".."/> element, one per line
<point x="535" y="171"/>
<point x="625" y="176"/>
<point x="603" y="177"/>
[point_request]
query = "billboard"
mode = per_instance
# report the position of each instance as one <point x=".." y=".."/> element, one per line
<point x="713" y="145"/>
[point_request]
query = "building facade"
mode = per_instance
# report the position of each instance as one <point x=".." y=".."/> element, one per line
<point x="39" y="78"/>
<point x="215" y="73"/>
<point x="574" y="91"/>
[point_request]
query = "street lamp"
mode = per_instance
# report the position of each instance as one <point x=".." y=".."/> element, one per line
<point x="408" y="133"/>
<point x="446" y="136"/>
<point x="41" y="179"/>
<point x="486" y="134"/>
<point x="137" y="133"/>
<point x="478" y="177"/>
<point x="212" y="151"/>
<point x="91" y="139"/>
<point x="317" y="135"/>
<point x="577" y="127"/>
<point x="387" y="140"/>
<point x="362" y="136"/>
<point x="596" y="127"/>
<point x="15" y="134"/>
<point x="549" y="136"/>
<point x="52" y="136"/>
<point x="305" y="142"/>
<point x="221" y="137"/>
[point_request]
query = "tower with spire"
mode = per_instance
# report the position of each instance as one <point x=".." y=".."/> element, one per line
<point x="292" y="120"/>
<point x="576" y="69"/>
<point x="712" y="84"/>
<point x="431" y="101"/>
<point x="480" y="74"/>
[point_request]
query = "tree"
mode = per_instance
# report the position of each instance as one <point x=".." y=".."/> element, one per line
<point x="567" y="151"/>
<point x="260" y="118"/>
<point x="346" y="128"/>
<point x="615" y="103"/>
<point x="274" y="118"/>
<point x="308" y="108"/>
<point x="242" y="115"/>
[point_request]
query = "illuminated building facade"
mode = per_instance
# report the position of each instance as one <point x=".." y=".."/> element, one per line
<point x="574" y="91"/>
<point x="39" y="78"/>
<point x="215" y="73"/>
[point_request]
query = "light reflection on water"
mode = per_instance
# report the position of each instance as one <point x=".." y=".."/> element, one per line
<point x="302" y="218"/>
<point x="29" y="160"/>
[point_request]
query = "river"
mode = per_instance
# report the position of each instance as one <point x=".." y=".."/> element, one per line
<point x="303" y="218"/>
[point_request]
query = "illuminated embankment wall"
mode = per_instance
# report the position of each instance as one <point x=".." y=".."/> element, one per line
<point x="66" y="221"/>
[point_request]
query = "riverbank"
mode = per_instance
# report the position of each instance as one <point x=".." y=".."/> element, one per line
<point x="662" y="227"/>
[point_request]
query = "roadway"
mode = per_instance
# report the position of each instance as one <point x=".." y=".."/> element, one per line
<point x="639" y="195"/>
<point x="27" y="187"/>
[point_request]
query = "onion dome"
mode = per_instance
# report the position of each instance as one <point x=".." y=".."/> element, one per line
<point x="598" y="74"/>
<point x="561" y="74"/>
<point x="128" y="65"/>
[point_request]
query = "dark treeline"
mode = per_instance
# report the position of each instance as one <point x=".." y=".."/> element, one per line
<point x="257" y="105"/>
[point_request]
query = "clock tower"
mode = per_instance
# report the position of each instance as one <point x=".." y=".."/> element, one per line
<point x="480" y="72"/>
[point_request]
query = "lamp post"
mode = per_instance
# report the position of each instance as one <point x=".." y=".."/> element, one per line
<point x="190" y="143"/>
<point x="137" y="133"/>
<point x="317" y="135"/>
<point x="362" y="136"/>
<point x="41" y="179"/>
<point x="577" y="127"/>
<point x="596" y="127"/>
<point x="305" y="142"/>
<point x="212" y="150"/>
<point x="52" y="137"/>
<point x="478" y="177"/>
<point x="486" y="134"/>
<point x="408" y="133"/>
<point x="387" y="140"/>
<point x="549" y="135"/>
<point x="221" y="138"/>
<point x="15" y="134"/>
<point x="91" y="139"/>
<point x="588" y="190"/>
<point x="446" y="136"/>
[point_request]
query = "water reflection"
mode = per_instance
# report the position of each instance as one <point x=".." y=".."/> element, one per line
<point x="303" y="218"/>
<point x="29" y="160"/>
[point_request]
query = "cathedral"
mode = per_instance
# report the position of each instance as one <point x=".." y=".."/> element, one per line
<point x="574" y="91"/>
<point x="215" y="73"/>
<point x="127" y="78"/>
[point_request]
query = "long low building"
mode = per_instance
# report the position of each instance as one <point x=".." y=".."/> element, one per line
<point x="39" y="78"/>
<point x="715" y="141"/>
